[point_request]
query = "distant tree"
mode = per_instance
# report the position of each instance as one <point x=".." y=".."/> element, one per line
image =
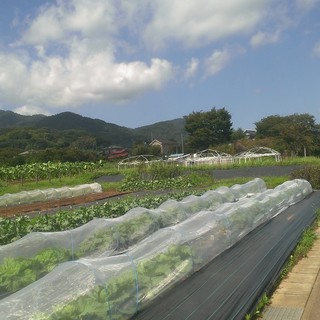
<point x="270" y="126"/>
<point x="238" y="134"/>
<point x="294" y="134"/>
<point x="85" y="143"/>
<point x="208" y="128"/>
<point x="144" y="149"/>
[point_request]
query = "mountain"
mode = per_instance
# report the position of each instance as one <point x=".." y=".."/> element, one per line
<point x="106" y="133"/>
<point x="9" y="119"/>
<point x="164" y="130"/>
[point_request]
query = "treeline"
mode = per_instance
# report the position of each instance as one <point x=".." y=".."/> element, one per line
<point x="27" y="145"/>
<point x="292" y="135"/>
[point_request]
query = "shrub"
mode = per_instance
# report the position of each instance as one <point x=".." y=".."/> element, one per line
<point x="310" y="173"/>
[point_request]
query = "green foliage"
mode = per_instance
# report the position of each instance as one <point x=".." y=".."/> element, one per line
<point x="132" y="184"/>
<point x="119" y="295"/>
<point x="294" y="134"/>
<point x="120" y="236"/>
<point x="310" y="173"/>
<point x="16" y="273"/>
<point x="13" y="229"/>
<point x="164" y="176"/>
<point x="143" y="148"/>
<point x="305" y="244"/>
<point x="155" y="171"/>
<point x="262" y="303"/>
<point x="93" y="305"/>
<point x="208" y="128"/>
<point x="47" y="171"/>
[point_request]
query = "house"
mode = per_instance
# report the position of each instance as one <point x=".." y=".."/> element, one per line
<point x="166" y="146"/>
<point x="115" y="152"/>
<point x="250" y="134"/>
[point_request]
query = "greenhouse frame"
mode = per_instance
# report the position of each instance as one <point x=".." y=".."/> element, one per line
<point x="258" y="153"/>
<point x="138" y="160"/>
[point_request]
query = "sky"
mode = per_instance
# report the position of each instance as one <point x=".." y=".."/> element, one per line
<point x="137" y="62"/>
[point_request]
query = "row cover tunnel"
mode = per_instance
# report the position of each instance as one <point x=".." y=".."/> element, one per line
<point x="117" y="266"/>
<point x="24" y="197"/>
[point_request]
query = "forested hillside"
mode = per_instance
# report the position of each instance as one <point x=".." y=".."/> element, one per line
<point x="67" y="132"/>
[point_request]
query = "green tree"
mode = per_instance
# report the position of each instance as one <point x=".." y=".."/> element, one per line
<point x="238" y="135"/>
<point x="295" y="134"/>
<point x="208" y="128"/>
<point x="144" y="149"/>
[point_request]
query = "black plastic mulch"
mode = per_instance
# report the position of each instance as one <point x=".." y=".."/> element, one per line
<point x="230" y="286"/>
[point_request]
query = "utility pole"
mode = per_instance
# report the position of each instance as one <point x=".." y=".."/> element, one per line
<point x="182" y="146"/>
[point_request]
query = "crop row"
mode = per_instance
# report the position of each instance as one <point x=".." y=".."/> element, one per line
<point x="45" y="171"/>
<point x="22" y="260"/>
<point x="117" y="287"/>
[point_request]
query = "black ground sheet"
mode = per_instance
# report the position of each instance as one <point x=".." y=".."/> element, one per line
<point x="231" y="284"/>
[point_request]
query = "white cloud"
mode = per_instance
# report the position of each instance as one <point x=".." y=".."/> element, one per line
<point x="192" y="68"/>
<point x="217" y="61"/>
<point x="78" y="79"/>
<point x="75" y="60"/>
<point x="197" y="23"/>
<point x="74" y="52"/>
<point x="57" y="22"/>
<point x="31" y="110"/>
<point x="264" y="38"/>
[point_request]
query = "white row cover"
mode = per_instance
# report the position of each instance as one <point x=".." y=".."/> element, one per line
<point x="40" y="252"/>
<point x="116" y="287"/>
<point x="25" y="197"/>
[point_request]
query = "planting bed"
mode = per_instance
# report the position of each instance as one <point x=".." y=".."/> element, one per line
<point x="22" y="209"/>
<point x="7" y="212"/>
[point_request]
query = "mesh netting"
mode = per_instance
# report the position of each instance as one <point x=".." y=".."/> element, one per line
<point x="116" y="287"/>
<point x="24" y="197"/>
<point x="119" y="233"/>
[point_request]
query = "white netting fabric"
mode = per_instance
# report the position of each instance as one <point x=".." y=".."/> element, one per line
<point x="25" y="197"/>
<point x="115" y="287"/>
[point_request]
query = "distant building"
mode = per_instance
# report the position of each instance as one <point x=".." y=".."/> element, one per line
<point x="115" y="152"/>
<point x="250" y="134"/>
<point x="166" y="146"/>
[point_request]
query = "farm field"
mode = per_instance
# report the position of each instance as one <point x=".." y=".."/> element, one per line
<point x="61" y="204"/>
<point x="87" y="201"/>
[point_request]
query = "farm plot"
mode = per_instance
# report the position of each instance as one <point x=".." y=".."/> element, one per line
<point x="116" y="287"/>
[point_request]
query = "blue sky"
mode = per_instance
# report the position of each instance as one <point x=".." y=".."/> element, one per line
<point x="134" y="63"/>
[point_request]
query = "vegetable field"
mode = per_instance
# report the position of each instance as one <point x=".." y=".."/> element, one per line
<point x="116" y="267"/>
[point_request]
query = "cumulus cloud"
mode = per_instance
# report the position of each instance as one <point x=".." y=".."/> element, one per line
<point x="76" y="52"/>
<point x="75" y="60"/>
<point x="87" y="18"/>
<point x="76" y="80"/>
